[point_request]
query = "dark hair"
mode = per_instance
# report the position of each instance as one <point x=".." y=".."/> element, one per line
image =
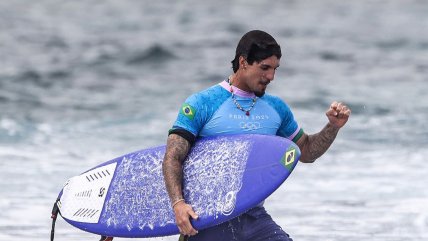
<point x="256" y="45"/>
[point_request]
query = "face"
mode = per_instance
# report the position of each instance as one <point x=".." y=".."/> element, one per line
<point x="257" y="76"/>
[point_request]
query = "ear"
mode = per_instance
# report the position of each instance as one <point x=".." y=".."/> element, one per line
<point x="242" y="62"/>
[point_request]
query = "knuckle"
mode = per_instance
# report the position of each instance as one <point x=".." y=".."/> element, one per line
<point x="180" y="222"/>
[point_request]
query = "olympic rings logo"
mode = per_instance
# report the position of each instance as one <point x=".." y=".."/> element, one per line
<point x="249" y="125"/>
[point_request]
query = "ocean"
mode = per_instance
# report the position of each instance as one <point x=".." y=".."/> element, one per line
<point x="82" y="82"/>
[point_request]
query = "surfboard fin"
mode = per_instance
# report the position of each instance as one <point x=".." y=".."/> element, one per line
<point x="183" y="237"/>
<point x="105" y="238"/>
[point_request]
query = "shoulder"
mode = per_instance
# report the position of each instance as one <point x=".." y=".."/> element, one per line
<point x="275" y="101"/>
<point x="212" y="94"/>
<point x="280" y="106"/>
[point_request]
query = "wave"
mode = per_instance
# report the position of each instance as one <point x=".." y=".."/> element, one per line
<point x="154" y="55"/>
<point x="332" y="56"/>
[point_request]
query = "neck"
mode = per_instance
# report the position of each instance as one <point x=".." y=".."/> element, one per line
<point x="238" y="91"/>
<point x="235" y="89"/>
<point x="237" y="80"/>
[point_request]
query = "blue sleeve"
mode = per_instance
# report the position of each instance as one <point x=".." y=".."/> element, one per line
<point x="289" y="127"/>
<point x="191" y="115"/>
<point x="198" y="109"/>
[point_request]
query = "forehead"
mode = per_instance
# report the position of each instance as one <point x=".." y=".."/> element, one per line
<point x="272" y="61"/>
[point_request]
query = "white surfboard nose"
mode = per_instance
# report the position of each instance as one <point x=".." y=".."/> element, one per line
<point x="83" y="196"/>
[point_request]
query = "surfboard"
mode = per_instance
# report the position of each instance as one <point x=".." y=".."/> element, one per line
<point x="224" y="176"/>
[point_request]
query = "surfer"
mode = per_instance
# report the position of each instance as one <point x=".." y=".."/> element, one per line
<point x="239" y="105"/>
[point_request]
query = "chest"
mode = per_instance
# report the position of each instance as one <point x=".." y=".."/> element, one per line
<point x="229" y="119"/>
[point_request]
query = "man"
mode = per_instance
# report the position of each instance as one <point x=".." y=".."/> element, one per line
<point x="227" y="108"/>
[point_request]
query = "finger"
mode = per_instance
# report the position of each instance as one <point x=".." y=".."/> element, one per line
<point x="189" y="230"/>
<point x="182" y="224"/>
<point x="334" y="108"/>
<point x="185" y="225"/>
<point x="184" y="228"/>
<point x="183" y="214"/>
<point x="193" y="214"/>
<point x="342" y="109"/>
<point x="334" y="105"/>
<point x="332" y="112"/>
<point x="348" y="112"/>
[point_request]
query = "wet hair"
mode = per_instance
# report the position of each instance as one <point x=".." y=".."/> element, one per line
<point x="256" y="45"/>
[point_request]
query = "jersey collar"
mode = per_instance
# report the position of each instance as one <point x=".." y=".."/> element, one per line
<point x="236" y="90"/>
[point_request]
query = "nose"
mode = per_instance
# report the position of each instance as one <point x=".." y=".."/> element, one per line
<point x="270" y="75"/>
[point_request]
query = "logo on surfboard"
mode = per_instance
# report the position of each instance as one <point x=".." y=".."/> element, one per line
<point x="289" y="158"/>
<point x="229" y="203"/>
<point x="102" y="191"/>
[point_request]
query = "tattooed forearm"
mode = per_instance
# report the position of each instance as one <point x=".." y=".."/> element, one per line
<point x="313" y="146"/>
<point x="176" y="151"/>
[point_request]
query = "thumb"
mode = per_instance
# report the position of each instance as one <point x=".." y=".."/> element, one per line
<point x="332" y="112"/>
<point x="193" y="214"/>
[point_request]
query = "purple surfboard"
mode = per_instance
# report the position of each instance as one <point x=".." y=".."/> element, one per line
<point x="224" y="176"/>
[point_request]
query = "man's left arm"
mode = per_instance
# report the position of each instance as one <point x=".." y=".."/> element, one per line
<point x="314" y="146"/>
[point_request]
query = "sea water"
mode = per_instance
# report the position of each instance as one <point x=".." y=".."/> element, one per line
<point x="82" y="82"/>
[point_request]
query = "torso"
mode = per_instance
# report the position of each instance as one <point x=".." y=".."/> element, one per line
<point x="214" y="112"/>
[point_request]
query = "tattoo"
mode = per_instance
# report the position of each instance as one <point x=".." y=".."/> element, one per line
<point x="177" y="149"/>
<point x="314" y="146"/>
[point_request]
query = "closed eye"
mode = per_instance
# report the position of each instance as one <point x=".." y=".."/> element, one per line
<point x="267" y="67"/>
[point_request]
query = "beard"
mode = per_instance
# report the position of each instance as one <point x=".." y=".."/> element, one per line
<point x="259" y="93"/>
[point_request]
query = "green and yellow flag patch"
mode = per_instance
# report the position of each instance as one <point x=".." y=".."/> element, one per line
<point x="289" y="158"/>
<point x="188" y="111"/>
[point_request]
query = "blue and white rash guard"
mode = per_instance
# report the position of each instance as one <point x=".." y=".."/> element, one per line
<point x="214" y="112"/>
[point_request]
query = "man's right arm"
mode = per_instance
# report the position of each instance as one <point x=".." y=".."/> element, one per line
<point x="177" y="149"/>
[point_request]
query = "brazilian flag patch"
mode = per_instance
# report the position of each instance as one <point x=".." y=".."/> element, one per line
<point x="289" y="158"/>
<point x="188" y="111"/>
